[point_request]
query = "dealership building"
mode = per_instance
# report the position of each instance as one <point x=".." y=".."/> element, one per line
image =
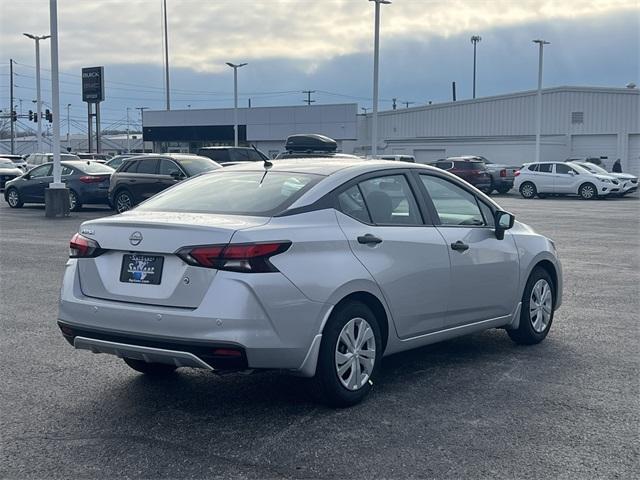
<point x="576" y="122"/>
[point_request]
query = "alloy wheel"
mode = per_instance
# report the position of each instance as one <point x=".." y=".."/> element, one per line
<point x="355" y="353"/>
<point x="12" y="198"/>
<point x="73" y="200"/>
<point x="540" y="305"/>
<point x="527" y="190"/>
<point x="587" y="192"/>
<point x="123" y="202"/>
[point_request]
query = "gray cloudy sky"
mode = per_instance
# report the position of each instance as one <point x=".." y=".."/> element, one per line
<point x="323" y="45"/>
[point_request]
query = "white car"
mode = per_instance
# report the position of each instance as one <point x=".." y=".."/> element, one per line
<point x="628" y="182"/>
<point x="560" y="178"/>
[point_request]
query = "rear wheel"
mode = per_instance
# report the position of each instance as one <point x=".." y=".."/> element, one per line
<point x="528" y="190"/>
<point x="154" y="369"/>
<point x="123" y="201"/>
<point x="536" y="314"/>
<point x="74" y="201"/>
<point x="350" y="353"/>
<point x="588" y="191"/>
<point x="13" y="198"/>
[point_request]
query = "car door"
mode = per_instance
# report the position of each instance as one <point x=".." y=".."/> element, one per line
<point x="144" y="184"/>
<point x="544" y="178"/>
<point x="484" y="270"/>
<point x="406" y="256"/>
<point x="33" y="188"/>
<point x="564" y="178"/>
<point x="169" y="174"/>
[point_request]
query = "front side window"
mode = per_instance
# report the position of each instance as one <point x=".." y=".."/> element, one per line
<point x="390" y="201"/>
<point x="564" y="168"/>
<point x="168" y="167"/>
<point x="41" y="171"/>
<point x="148" y="166"/>
<point x="260" y="193"/>
<point x="455" y="206"/>
<point x="195" y="165"/>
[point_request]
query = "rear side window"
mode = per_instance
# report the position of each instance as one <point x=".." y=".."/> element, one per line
<point x="444" y="165"/>
<point x="350" y="202"/>
<point x="129" y="167"/>
<point x="533" y="167"/>
<point x="545" y="167"/>
<point x="261" y="193"/>
<point x="390" y="201"/>
<point x="66" y="171"/>
<point x="148" y="166"/>
<point x="254" y="156"/>
<point x="239" y="155"/>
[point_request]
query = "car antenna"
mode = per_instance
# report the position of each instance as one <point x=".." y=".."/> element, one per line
<point x="267" y="163"/>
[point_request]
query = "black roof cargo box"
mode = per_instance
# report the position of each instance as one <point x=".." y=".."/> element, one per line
<point x="310" y="143"/>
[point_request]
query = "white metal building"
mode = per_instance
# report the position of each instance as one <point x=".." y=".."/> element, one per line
<point x="576" y="121"/>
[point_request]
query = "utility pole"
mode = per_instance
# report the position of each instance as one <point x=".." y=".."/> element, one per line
<point x="166" y="54"/>
<point x="11" y="122"/>
<point x="128" y="144"/>
<point x="68" y="126"/>
<point x="308" y="101"/>
<point x="453" y="90"/>
<point x="475" y="39"/>
<point x="141" y="109"/>
<point x="541" y="44"/>
<point x="376" y="55"/>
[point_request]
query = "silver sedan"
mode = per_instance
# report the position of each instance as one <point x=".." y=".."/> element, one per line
<point x="319" y="267"/>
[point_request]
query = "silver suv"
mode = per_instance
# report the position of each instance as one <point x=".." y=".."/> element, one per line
<point x="319" y="267"/>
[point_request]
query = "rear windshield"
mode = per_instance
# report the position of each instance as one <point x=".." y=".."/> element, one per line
<point x="195" y="165"/>
<point x="93" y="167"/>
<point x="236" y="193"/>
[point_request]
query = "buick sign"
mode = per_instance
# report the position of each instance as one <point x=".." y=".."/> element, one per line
<point x="93" y="84"/>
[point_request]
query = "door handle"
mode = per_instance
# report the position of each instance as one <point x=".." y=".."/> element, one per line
<point x="369" y="239"/>
<point x="460" y="246"/>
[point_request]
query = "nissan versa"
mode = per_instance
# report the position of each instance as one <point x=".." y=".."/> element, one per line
<point x="318" y="266"/>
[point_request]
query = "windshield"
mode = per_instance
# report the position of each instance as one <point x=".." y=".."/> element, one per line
<point x="594" y="168"/>
<point x="195" y="165"/>
<point x="260" y="193"/>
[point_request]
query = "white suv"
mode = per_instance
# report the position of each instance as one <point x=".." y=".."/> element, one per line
<point x="559" y="178"/>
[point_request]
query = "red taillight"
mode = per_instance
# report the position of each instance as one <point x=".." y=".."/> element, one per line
<point x="83" y="247"/>
<point x="241" y="257"/>
<point x="227" y="352"/>
<point x="516" y="173"/>
<point x="93" y="178"/>
<point x="503" y="172"/>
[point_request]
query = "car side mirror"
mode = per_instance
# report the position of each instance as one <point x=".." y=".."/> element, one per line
<point x="503" y="221"/>
<point x="572" y="173"/>
<point x="176" y="175"/>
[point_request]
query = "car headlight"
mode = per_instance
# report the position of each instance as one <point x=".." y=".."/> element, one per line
<point x="605" y="180"/>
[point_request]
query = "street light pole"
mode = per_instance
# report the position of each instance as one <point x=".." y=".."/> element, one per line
<point x="68" y="126"/>
<point x="37" y="39"/>
<point x="235" y="100"/>
<point x="128" y="144"/>
<point x="376" y="54"/>
<point x="475" y="39"/>
<point x="541" y="44"/>
<point x="166" y="55"/>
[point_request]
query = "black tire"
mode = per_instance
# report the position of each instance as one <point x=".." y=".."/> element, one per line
<point x="528" y="190"/>
<point x="74" y="201"/>
<point x="121" y="199"/>
<point x="153" y="369"/>
<point x="588" y="191"/>
<point x="13" y="198"/>
<point x="526" y="334"/>
<point x="504" y="189"/>
<point x="328" y="384"/>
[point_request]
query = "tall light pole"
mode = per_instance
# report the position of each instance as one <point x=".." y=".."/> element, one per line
<point x="68" y="125"/>
<point x="128" y="144"/>
<point x="235" y="100"/>
<point x="37" y="39"/>
<point x="475" y="39"/>
<point x="376" y="54"/>
<point x="166" y="54"/>
<point x="541" y="44"/>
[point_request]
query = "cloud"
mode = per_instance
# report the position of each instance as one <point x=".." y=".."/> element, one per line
<point x="203" y="34"/>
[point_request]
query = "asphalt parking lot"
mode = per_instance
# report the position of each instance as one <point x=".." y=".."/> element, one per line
<point x="477" y="406"/>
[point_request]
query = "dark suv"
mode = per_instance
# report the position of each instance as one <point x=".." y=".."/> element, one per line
<point x="139" y="178"/>
<point x="227" y="156"/>
<point x="473" y="171"/>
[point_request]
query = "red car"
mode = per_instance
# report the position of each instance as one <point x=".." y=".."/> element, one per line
<point x="473" y="171"/>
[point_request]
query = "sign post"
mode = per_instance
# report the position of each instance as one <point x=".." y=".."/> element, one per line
<point x="93" y="93"/>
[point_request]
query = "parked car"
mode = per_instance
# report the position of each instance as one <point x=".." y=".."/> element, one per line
<point x="311" y="145"/>
<point x="139" y="178"/>
<point x="8" y="171"/>
<point x="35" y="159"/>
<point x="116" y="161"/>
<point x="306" y="266"/>
<point x="227" y="156"/>
<point x="502" y="176"/>
<point x="18" y="160"/>
<point x="599" y="161"/>
<point x="562" y="178"/>
<point x="398" y="158"/>
<point x="96" y="157"/>
<point x="473" y="171"/>
<point x="87" y="181"/>
<point x="628" y="182"/>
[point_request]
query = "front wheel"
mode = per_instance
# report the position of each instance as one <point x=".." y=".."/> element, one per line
<point x="536" y="315"/>
<point x="74" y="201"/>
<point x="350" y="353"/>
<point x="154" y="369"/>
<point x="13" y="198"/>
<point x="588" y="191"/>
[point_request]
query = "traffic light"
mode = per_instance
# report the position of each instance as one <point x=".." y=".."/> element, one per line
<point x="48" y="115"/>
<point x="14" y="116"/>
<point x="35" y="117"/>
<point x="31" y="115"/>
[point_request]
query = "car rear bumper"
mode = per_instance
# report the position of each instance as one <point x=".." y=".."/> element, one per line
<point x="270" y="332"/>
